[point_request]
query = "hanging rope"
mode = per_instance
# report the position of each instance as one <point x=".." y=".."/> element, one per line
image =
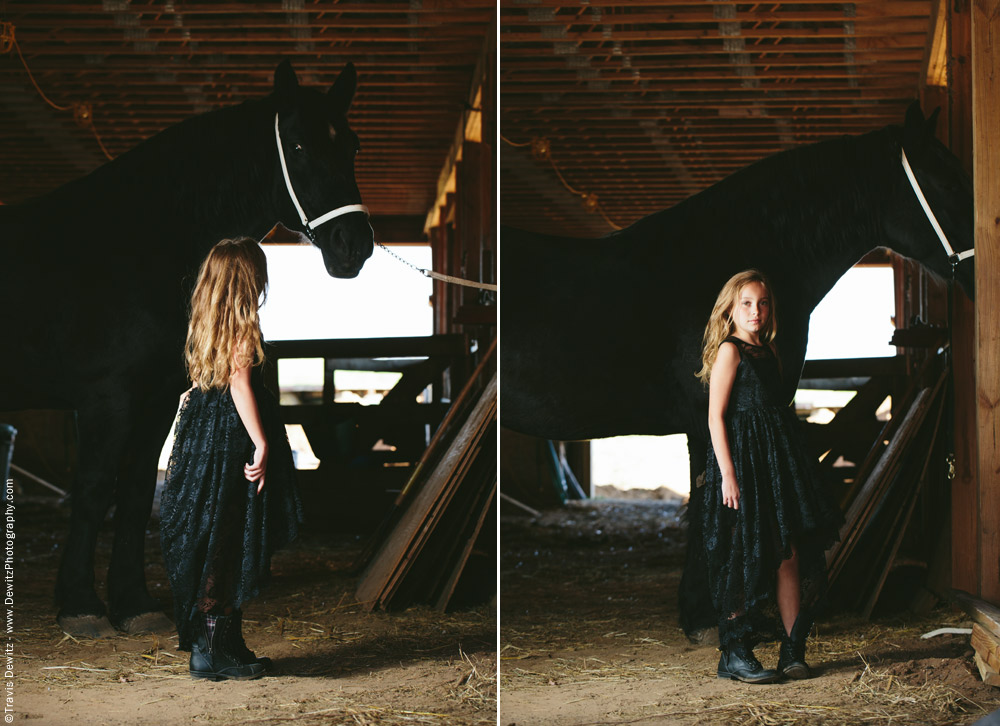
<point x="82" y="112"/>
<point x="440" y="276"/>
<point x="511" y="143"/>
<point x="541" y="149"/>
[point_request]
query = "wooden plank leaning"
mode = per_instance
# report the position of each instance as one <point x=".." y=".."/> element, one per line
<point x="399" y="548"/>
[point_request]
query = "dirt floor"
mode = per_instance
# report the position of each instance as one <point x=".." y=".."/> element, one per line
<point x="589" y="636"/>
<point x="334" y="663"/>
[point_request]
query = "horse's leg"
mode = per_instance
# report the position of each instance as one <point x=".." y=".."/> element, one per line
<point x="697" y="613"/>
<point x="102" y="426"/>
<point x="132" y="608"/>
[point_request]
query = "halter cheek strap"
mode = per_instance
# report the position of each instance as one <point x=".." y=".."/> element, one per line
<point x="322" y="219"/>
<point x="955" y="257"/>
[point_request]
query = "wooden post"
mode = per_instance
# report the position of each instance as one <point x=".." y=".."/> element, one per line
<point x="986" y="182"/>
<point x="488" y="185"/>
<point x="964" y="488"/>
<point x="469" y="219"/>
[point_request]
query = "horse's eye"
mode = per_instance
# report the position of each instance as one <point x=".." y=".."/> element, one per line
<point x="298" y="147"/>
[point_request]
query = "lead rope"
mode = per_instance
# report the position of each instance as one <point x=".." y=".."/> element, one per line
<point x="438" y="275"/>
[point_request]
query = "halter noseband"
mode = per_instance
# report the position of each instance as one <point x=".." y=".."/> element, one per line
<point x="323" y="219"/>
<point x="953" y="257"/>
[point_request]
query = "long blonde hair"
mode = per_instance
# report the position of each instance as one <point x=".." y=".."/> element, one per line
<point x="224" y="330"/>
<point x="720" y="323"/>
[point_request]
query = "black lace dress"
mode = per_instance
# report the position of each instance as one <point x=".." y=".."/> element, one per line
<point x="782" y="502"/>
<point x="217" y="533"/>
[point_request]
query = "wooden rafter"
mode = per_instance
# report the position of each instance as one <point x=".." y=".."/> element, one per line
<point x="646" y="102"/>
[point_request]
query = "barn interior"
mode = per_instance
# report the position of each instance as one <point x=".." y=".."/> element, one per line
<point x="610" y="111"/>
<point x="397" y="431"/>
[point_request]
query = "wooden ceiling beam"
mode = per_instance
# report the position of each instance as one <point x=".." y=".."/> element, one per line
<point x="511" y="17"/>
<point x="632" y="87"/>
<point x="288" y="47"/>
<point x="901" y="29"/>
<point x="685" y="75"/>
<point x="612" y="133"/>
<point x="33" y="40"/>
<point x="331" y="62"/>
<point x="801" y="97"/>
<point x="514" y="67"/>
<point x="876" y="48"/>
<point x="442" y="94"/>
<point x="44" y="25"/>
<point x="696" y="115"/>
<point x="277" y="8"/>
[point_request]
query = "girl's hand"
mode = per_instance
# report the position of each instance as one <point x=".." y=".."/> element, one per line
<point x="730" y="492"/>
<point x="257" y="468"/>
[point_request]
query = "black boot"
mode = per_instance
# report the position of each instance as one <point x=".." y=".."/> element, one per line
<point x="239" y="646"/>
<point x="212" y="657"/>
<point x="739" y="663"/>
<point x="792" y="656"/>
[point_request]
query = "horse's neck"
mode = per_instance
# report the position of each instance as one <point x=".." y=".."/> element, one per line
<point x="204" y="178"/>
<point x="810" y="214"/>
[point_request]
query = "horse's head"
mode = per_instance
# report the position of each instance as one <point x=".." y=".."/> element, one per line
<point x="948" y="192"/>
<point x="316" y="160"/>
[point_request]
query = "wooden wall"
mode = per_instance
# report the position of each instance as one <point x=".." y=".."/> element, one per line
<point x="462" y="226"/>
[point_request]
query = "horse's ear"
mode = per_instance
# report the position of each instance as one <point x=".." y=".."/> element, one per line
<point x="931" y="125"/>
<point x="285" y="83"/>
<point x="915" y="131"/>
<point x="341" y="93"/>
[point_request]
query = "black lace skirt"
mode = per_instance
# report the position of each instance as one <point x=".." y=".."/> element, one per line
<point x="783" y="502"/>
<point x="217" y="533"/>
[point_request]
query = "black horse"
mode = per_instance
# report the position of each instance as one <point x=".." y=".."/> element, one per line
<point x="584" y="317"/>
<point x="97" y="275"/>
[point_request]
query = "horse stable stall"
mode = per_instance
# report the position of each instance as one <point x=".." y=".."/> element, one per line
<point x="133" y="135"/>
<point x="611" y="112"/>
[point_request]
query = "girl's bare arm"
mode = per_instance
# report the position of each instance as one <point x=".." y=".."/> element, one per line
<point x="720" y="386"/>
<point x="246" y="407"/>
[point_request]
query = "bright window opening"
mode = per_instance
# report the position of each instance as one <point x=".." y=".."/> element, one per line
<point x="656" y="467"/>
<point x="388" y="299"/>
<point x="365" y="387"/>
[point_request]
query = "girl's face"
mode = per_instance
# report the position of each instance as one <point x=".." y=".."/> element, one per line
<point x="752" y="310"/>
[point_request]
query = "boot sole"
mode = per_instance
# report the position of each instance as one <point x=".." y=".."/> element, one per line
<point x="797" y="672"/>
<point x="209" y="676"/>
<point x="734" y="677"/>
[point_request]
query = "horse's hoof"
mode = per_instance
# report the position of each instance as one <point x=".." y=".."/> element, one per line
<point x="86" y="626"/>
<point x="154" y="622"/>
<point x="705" y="636"/>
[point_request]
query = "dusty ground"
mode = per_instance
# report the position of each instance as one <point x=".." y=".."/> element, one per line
<point x="334" y="663"/>
<point x="589" y="636"/>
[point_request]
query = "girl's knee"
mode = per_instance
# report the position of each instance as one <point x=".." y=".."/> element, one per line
<point x="791" y="562"/>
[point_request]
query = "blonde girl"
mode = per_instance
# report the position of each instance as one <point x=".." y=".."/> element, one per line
<point x="229" y="498"/>
<point x="767" y="517"/>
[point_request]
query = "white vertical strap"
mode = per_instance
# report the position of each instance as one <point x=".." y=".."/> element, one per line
<point x="284" y="171"/>
<point x="930" y="215"/>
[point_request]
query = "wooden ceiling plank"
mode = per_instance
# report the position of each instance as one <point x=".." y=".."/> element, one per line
<point x="512" y="18"/>
<point x="382" y="7"/>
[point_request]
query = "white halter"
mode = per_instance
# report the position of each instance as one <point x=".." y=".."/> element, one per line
<point x="955" y="257"/>
<point x="333" y="213"/>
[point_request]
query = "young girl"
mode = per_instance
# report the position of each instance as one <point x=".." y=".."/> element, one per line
<point x="767" y="517"/>
<point x="229" y="499"/>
